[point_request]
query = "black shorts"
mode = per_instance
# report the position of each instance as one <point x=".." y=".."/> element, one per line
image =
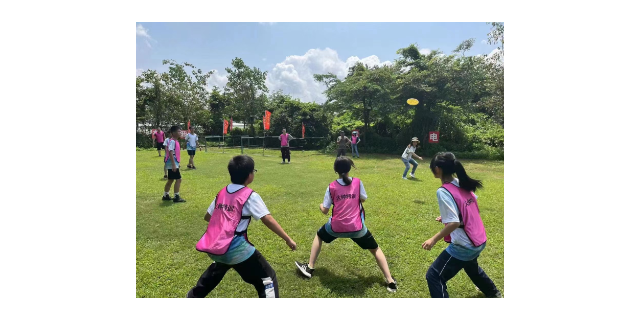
<point x="159" y="145"/>
<point x="191" y="152"/>
<point x="365" y="242"/>
<point x="174" y="175"/>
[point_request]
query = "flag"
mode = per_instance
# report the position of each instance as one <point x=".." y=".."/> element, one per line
<point x="189" y="126"/>
<point x="267" y="119"/>
<point x="303" y="130"/>
<point x="225" y="126"/>
<point x="230" y="125"/>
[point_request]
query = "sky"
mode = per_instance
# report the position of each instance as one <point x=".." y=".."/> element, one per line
<point x="292" y="53"/>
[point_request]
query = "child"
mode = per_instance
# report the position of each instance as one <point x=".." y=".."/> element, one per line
<point x="192" y="144"/>
<point x="354" y="143"/>
<point x="226" y="241"/>
<point x="407" y="155"/>
<point x="463" y="229"/>
<point x="347" y="220"/>
<point x="158" y="138"/>
<point x="284" y="145"/>
<point x="342" y="144"/>
<point x="172" y="163"/>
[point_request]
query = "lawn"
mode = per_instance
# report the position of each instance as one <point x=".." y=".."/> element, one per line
<point x="400" y="214"/>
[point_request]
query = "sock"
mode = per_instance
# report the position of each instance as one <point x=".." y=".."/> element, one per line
<point x="177" y="194"/>
<point x="166" y="193"/>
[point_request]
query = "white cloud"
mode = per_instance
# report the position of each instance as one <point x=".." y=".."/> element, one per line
<point x="268" y="23"/>
<point x="218" y="79"/>
<point x="294" y="75"/>
<point x="144" y="33"/>
<point x="425" y="51"/>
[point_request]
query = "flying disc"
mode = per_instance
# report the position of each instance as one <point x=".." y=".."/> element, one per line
<point x="412" y="101"/>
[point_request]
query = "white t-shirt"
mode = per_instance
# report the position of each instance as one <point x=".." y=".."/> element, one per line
<point x="410" y="150"/>
<point x="327" y="202"/>
<point x="191" y="139"/>
<point x="449" y="213"/>
<point x="254" y="207"/>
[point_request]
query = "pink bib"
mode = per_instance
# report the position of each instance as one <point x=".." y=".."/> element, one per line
<point x="284" y="140"/>
<point x="225" y="218"/>
<point x="470" y="219"/>
<point x="176" y="152"/>
<point x="354" y="139"/>
<point x="345" y="216"/>
<point x="160" y="136"/>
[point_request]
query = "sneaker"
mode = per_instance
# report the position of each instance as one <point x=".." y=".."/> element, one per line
<point x="193" y="167"/>
<point x="166" y="197"/>
<point x="405" y="178"/>
<point x="178" y="199"/>
<point x="165" y="176"/>
<point x="498" y="295"/>
<point x="304" y="268"/>
<point x="393" y="286"/>
<point x="283" y="161"/>
<point x="412" y="175"/>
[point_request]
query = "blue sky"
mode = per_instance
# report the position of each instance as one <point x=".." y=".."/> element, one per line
<point x="293" y="52"/>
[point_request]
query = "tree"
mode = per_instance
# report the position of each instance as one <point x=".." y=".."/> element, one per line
<point x="246" y="88"/>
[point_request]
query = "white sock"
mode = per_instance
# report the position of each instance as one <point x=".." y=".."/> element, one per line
<point x="166" y="193"/>
<point x="177" y="194"/>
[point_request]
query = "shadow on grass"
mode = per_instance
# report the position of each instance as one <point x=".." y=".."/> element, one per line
<point x="415" y="180"/>
<point x="419" y="201"/>
<point x="166" y="203"/>
<point x="354" y="286"/>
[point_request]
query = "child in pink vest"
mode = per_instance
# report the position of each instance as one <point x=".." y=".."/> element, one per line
<point x="347" y="220"/>
<point x="172" y="165"/>
<point x="463" y="229"/>
<point x="285" y="138"/>
<point x="226" y="241"/>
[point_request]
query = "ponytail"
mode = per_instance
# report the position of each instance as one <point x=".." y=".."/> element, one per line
<point x="466" y="182"/>
<point x="345" y="178"/>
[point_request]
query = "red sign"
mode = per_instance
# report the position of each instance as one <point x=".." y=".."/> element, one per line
<point x="225" y="125"/>
<point x="267" y="120"/>
<point x="434" y="136"/>
<point x="183" y="133"/>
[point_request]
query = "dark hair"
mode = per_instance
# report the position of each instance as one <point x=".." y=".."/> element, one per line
<point x="174" y="129"/>
<point x="449" y="164"/>
<point x="240" y="167"/>
<point x="342" y="166"/>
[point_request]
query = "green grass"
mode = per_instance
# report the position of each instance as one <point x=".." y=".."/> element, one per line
<point x="400" y="214"/>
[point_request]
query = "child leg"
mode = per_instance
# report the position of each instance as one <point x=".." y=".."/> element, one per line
<point x="315" y="251"/>
<point x="208" y="280"/>
<point x="176" y="187"/>
<point x="415" y="165"/>
<point x="480" y="278"/>
<point x="257" y="271"/>
<point x="444" y="268"/>
<point x="167" y="186"/>
<point x="382" y="263"/>
<point x="406" y="169"/>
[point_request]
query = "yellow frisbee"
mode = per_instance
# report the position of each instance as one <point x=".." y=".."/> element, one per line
<point x="412" y="101"/>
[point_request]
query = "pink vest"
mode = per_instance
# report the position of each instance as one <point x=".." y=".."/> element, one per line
<point x="160" y="136"/>
<point x="345" y="216"/>
<point x="176" y="152"/>
<point x="224" y="220"/>
<point x="470" y="219"/>
<point x="354" y="139"/>
<point x="284" y="140"/>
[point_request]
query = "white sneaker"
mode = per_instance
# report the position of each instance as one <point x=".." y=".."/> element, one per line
<point x="412" y="175"/>
<point x="405" y="178"/>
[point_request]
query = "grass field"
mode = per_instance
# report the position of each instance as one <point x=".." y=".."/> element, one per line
<point x="400" y="214"/>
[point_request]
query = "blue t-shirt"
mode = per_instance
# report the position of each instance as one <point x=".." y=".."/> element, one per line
<point x="239" y="250"/>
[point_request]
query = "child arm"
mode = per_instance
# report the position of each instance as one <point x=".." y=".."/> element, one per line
<point x="273" y="225"/>
<point x="323" y="209"/>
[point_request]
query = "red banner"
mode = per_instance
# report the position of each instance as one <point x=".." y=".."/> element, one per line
<point x="189" y="126"/>
<point x="230" y="125"/>
<point x="303" y="130"/>
<point x="434" y="136"/>
<point x="267" y="120"/>
<point x="225" y="126"/>
<point x="183" y="133"/>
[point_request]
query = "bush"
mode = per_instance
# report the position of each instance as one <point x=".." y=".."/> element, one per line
<point x="144" y="141"/>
